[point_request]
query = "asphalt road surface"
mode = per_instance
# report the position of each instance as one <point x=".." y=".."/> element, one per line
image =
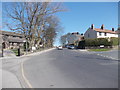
<point x="71" y="69"/>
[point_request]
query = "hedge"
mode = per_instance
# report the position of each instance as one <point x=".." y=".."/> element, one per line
<point x="115" y="41"/>
<point x="98" y="42"/>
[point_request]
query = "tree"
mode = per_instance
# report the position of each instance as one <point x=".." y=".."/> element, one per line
<point x="63" y="39"/>
<point x="29" y="18"/>
<point x="51" y="30"/>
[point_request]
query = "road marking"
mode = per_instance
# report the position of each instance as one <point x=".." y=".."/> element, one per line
<point x="25" y="79"/>
<point x="107" y="57"/>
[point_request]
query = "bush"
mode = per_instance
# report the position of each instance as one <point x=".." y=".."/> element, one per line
<point x="97" y="42"/>
<point x="115" y="41"/>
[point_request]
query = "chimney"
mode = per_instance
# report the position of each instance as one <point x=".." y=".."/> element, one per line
<point x="113" y="29"/>
<point x="82" y="34"/>
<point x="102" y="27"/>
<point x="92" y="26"/>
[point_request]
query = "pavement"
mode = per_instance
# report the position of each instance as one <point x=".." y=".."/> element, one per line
<point x="11" y="70"/>
<point x="70" y="69"/>
<point x="7" y="54"/>
<point x="9" y="80"/>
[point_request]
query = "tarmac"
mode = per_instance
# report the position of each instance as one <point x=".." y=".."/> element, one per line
<point x="7" y="78"/>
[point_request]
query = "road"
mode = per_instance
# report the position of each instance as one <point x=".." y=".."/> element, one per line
<point x="71" y="69"/>
<point x="113" y="54"/>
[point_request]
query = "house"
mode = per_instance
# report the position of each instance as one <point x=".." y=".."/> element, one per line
<point x="73" y="37"/>
<point x="11" y="39"/>
<point x="93" y="32"/>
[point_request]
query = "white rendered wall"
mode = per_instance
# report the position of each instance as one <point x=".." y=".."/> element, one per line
<point x="108" y="35"/>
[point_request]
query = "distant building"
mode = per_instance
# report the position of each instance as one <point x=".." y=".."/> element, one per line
<point x="73" y="37"/>
<point x="11" y="39"/>
<point x="93" y="32"/>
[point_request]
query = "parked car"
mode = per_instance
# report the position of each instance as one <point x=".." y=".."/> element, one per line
<point x="60" y="47"/>
<point x="71" y="47"/>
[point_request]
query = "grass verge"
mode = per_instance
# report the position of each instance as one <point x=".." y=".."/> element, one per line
<point x="15" y="51"/>
<point x="98" y="50"/>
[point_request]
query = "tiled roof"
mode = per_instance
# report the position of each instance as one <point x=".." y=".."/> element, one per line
<point x="105" y="30"/>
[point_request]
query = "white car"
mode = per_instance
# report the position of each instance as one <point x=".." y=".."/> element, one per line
<point x="60" y="47"/>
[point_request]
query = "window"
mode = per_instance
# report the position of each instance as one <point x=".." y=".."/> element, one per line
<point x="100" y="33"/>
<point x="105" y="34"/>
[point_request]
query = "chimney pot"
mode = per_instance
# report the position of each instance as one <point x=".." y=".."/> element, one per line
<point x="92" y="26"/>
<point x="113" y="29"/>
<point x="102" y="27"/>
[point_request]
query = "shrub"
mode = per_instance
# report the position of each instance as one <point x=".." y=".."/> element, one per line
<point x="97" y="42"/>
<point x="115" y="41"/>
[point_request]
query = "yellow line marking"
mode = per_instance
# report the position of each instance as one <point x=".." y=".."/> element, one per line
<point x="23" y="75"/>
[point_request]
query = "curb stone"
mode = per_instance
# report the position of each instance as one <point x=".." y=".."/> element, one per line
<point x="32" y="54"/>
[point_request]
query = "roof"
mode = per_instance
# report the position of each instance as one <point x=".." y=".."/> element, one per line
<point x="11" y="33"/>
<point x="12" y="39"/>
<point x="118" y="31"/>
<point x="105" y="30"/>
<point x="16" y="40"/>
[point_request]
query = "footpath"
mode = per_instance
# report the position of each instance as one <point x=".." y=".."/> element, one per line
<point x="11" y="62"/>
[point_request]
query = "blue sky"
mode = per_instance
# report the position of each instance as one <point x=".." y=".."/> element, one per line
<point x="81" y="15"/>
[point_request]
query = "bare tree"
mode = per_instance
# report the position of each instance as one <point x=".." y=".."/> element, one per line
<point x="63" y="39"/>
<point x="30" y="18"/>
<point x="52" y="29"/>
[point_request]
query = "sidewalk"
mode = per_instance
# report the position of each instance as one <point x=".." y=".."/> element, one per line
<point x="9" y="80"/>
<point x="9" y="54"/>
<point x="36" y="53"/>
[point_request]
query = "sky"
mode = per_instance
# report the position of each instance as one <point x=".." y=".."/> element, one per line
<point x="80" y="15"/>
